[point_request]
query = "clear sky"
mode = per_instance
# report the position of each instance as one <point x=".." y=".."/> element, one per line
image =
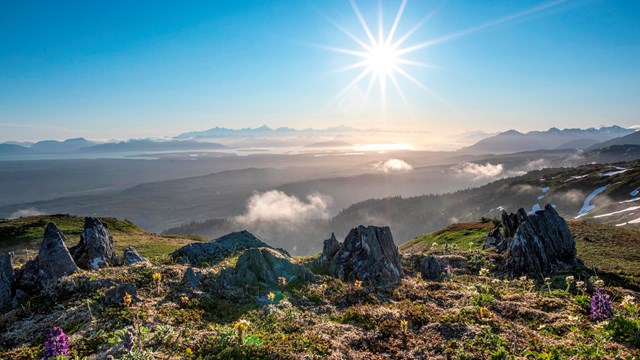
<point x="121" y="69"/>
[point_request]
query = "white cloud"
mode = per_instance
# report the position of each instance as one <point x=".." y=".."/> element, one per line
<point x="275" y="205"/>
<point x="479" y="171"/>
<point x="25" y="212"/>
<point x="393" y="165"/>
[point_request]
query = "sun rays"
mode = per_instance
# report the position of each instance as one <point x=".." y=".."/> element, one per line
<point x="380" y="56"/>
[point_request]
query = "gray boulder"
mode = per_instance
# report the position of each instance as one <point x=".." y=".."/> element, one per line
<point x="541" y="245"/>
<point x="214" y="251"/>
<point x="131" y="256"/>
<point x="430" y="268"/>
<point x="264" y="266"/>
<point x="7" y="279"/>
<point x="116" y="294"/>
<point x="95" y="249"/>
<point x="52" y="263"/>
<point x="368" y="254"/>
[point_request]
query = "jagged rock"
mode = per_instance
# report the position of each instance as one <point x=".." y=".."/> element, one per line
<point x="536" y="245"/>
<point x="510" y="223"/>
<point x="330" y="247"/>
<point x="430" y="268"/>
<point x="542" y="244"/>
<point x="495" y="240"/>
<point x="214" y="251"/>
<point x="264" y="266"/>
<point x="95" y="249"/>
<point x="191" y="279"/>
<point x="131" y="256"/>
<point x="7" y="279"/>
<point x="116" y="294"/>
<point x="52" y="263"/>
<point x="368" y="254"/>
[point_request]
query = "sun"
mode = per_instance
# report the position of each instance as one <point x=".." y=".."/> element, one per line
<point x="382" y="59"/>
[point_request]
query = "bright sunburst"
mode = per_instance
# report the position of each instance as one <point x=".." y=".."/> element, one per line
<point x="381" y="55"/>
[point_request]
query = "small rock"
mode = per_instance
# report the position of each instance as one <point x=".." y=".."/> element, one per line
<point x="95" y="249"/>
<point x="52" y="263"/>
<point x="116" y="294"/>
<point x="7" y="278"/>
<point x="430" y="268"/>
<point x="131" y="256"/>
<point x="191" y="279"/>
<point x="95" y="285"/>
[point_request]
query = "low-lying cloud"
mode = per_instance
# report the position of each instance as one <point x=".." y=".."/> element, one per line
<point x="275" y="205"/>
<point x="393" y="166"/>
<point x="25" y="212"/>
<point x="480" y="171"/>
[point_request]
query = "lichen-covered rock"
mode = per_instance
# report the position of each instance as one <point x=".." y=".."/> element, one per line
<point x="430" y="268"/>
<point x="541" y="245"/>
<point x="265" y="266"/>
<point x="52" y="263"/>
<point x="116" y="294"/>
<point x="95" y="249"/>
<point x="368" y="254"/>
<point x="536" y="245"/>
<point x="216" y="250"/>
<point x="131" y="256"/>
<point x="7" y="279"/>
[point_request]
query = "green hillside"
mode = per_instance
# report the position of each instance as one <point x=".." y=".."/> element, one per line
<point x="23" y="235"/>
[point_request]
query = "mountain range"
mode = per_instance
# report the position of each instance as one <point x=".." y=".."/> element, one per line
<point x="266" y="131"/>
<point x="80" y="145"/>
<point x="513" y="141"/>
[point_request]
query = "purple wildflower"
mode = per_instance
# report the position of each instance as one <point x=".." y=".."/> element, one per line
<point x="600" y="305"/>
<point x="57" y="344"/>
<point x="128" y="341"/>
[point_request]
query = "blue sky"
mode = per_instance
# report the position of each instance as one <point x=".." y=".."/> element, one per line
<point x="123" y="69"/>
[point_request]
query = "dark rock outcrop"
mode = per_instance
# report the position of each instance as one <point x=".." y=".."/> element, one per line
<point x="52" y="263"/>
<point x="368" y="254"/>
<point x="216" y="250"/>
<point x="7" y="279"/>
<point x="116" y="294"/>
<point x="540" y="244"/>
<point x="131" y="256"/>
<point x="430" y="268"/>
<point x="95" y="249"/>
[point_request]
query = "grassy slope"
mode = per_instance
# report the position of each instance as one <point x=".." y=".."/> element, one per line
<point x="465" y="236"/>
<point x="468" y="317"/>
<point x="23" y="235"/>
